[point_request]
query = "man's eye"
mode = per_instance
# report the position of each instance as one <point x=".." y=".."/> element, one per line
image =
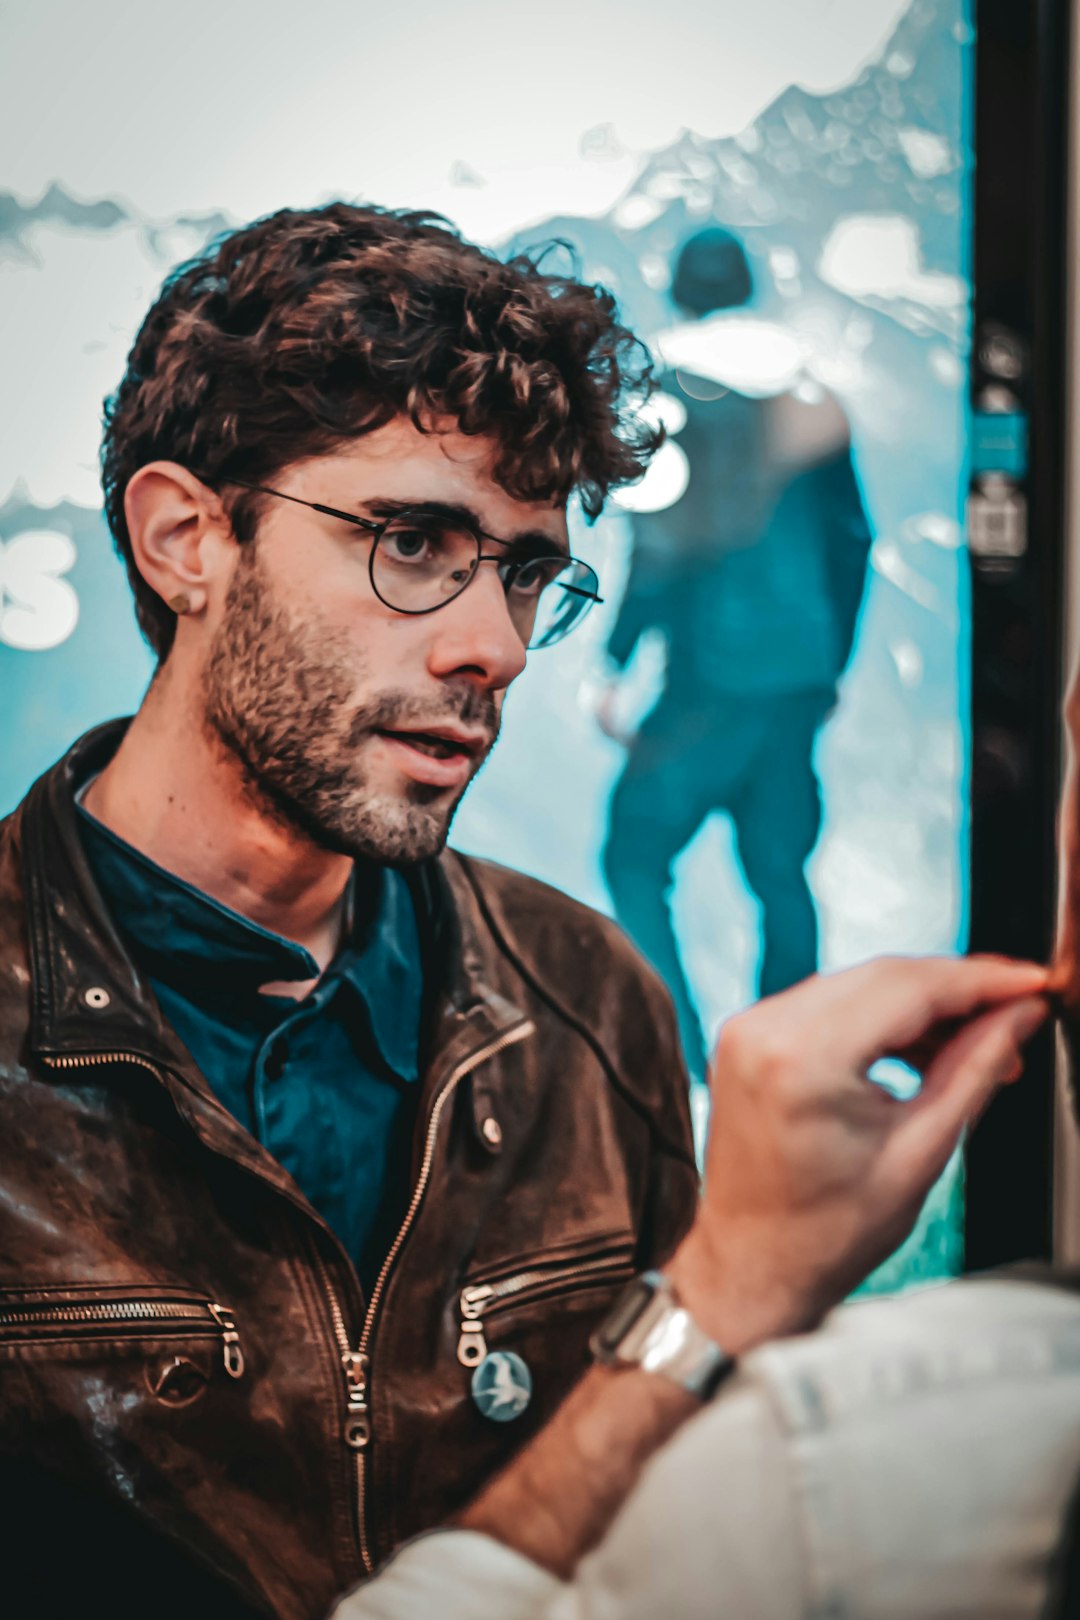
<point x="530" y="578"/>
<point x="408" y="545"/>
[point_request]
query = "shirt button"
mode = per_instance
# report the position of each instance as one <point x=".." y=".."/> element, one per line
<point x="492" y="1131"/>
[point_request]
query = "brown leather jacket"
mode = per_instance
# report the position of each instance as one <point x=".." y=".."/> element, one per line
<point x="185" y="1355"/>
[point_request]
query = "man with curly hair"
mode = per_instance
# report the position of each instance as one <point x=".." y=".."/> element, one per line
<point x="325" y="1150"/>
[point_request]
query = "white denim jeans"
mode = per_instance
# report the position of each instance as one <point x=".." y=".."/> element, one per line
<point x="913" y="1460"/>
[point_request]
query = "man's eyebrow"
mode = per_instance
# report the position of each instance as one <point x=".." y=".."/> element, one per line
<point x="385" y="506"/>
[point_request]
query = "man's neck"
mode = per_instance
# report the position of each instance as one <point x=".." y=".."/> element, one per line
<point x="181" y="799"/>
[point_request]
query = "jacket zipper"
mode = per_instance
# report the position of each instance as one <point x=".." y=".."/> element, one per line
<point x="125" y="1312"/>
<point x="88" y="1060"/>
<point x="356" y="1363"/>
<point x="478" y="1299"/>
<point x="356" y="1431"/>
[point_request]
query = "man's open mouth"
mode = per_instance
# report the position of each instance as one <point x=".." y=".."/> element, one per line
<point x="427" y="742"/>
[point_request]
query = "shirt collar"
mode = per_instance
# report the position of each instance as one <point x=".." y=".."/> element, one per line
<point x="384" y="968"/>
<point x="212" y="955"/>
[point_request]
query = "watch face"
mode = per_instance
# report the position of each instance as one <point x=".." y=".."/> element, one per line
<point x="626" y="1310"/>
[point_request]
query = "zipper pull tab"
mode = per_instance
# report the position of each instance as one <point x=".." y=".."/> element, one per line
<point x="357" y="1420"/>
<point x="233" y="1354"/>
<point x="472" y="1346"/>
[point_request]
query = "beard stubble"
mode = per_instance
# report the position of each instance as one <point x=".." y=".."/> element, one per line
<point x="279" y="695"/>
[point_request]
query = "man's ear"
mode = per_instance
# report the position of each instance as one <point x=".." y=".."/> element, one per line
<point x="177" y="526"/>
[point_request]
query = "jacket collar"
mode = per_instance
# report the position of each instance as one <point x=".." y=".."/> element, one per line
<point x="219" y="959"/>
<point x="88" y="997"/>
<point x="89" y="1002"/>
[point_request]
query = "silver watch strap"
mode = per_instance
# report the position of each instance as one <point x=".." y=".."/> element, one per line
<point x="662" y="1337"/>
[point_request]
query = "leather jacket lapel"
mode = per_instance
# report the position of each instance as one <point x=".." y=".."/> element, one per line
<point x="88" y="995"/>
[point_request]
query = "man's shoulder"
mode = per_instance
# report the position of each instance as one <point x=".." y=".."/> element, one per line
<point x="582" y="968"/>
<point x="11" y="883"/>
<point x="14" y="965"/>
<point x="530" y="896"/>
<point x="587" y="972"/>
<point x="551" y="927"/>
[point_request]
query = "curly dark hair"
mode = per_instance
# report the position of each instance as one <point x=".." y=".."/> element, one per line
<point x="296" y="334"/>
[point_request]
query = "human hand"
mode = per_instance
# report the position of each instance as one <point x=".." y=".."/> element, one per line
<point x="813" y="1174"/>
<point x="606" y="710"/>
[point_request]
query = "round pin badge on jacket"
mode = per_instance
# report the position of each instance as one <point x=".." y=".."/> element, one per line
<point x="502" y="1386"/>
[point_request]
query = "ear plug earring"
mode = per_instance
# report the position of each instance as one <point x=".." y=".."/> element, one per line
<point x="180" y="604"/>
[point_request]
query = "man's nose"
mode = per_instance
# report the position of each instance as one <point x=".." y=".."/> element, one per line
<point x="474" y="636"/>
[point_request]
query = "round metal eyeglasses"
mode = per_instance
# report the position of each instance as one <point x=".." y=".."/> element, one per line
<point x="421" y="560"/>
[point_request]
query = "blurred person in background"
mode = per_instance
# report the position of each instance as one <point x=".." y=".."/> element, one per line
<point x="752" y="567"/>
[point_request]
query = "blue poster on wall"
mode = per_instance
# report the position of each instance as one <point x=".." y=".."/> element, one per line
<point x="754" y="753"/>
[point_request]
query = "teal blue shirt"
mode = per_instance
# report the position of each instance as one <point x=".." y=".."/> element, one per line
<point x="329" y="1083"/>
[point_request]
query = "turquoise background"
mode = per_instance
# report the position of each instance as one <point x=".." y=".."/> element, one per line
<point x="891" y="143"/>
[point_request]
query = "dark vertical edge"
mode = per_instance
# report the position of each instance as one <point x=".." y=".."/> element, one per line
<point x="1020" y="206"/>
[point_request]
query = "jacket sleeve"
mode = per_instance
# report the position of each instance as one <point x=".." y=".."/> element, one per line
<point x="674" y="1192"/>
<point x="674" y="1187"/>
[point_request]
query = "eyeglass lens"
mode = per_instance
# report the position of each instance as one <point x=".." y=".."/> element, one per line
<point x="420" y="563"/>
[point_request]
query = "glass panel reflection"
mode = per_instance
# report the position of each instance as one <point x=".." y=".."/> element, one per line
<point x="767" y="769"/>
<point x="754" y="751"/>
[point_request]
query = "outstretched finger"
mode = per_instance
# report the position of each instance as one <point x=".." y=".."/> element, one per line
<point x="961" y="1080"/>
<point x="895" y="1003"/>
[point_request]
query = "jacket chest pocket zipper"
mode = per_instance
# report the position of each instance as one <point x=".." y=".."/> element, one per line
<point x="40" y="1320"/>
<point x="478" y="1302"/>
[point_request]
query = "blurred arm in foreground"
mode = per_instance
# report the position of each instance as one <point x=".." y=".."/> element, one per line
<point x="813" y="1176"/>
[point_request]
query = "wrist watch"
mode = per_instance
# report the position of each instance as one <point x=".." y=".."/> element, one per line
<point x="648" y="1328"/>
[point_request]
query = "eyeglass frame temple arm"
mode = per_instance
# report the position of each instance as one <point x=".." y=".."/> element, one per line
<point x="315" y="506"/>
<point x="377" y="527"/>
